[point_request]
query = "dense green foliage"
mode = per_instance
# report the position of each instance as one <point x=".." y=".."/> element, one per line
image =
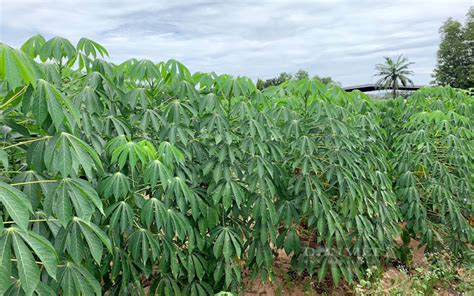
<point x="433" y="165"/>
<point x="115" y="177"/>
<point x="455" y="65"/>
<point x="283" y="77"/>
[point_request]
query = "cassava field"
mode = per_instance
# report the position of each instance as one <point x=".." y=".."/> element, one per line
<point x="145" y="178"/>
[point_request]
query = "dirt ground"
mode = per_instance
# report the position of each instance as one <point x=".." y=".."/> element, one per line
<point x="287" y="285"/>
<point x="392" y="278"/>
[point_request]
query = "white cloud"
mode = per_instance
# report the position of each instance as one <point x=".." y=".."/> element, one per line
<point x="342" y="39"/>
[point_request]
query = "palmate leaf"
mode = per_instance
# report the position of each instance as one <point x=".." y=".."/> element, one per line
<point x="209" y="103"/>
<point x="64" y="153"/>
<point x="28" y="270"/>
<point x="230" y="270"/>
<point x="81" y="238"/>
<point x="16" y="68"/>
<point x="34" y="188"/>
<point x="44" y="289"/>
<point x="72" y="194"/>
<point x="200" y="288"/>
<point x="121" y="214"/>
<point x="184" y="195"/>
<point x="157" y="171"/>
<point x="170" y="155"/>
<point x="83" y="61"/>
<point x="145" y="70"/>
<point x="151" y="119"/>
<point x="115" y="143"/>
<point x="130" y="152"/>
<point x="177" y="224"/>
<point x="177" y="70"/>
<point x="33" y="45"/>
<point x="178" y="111"/>
<point x="116" y="185"/>
<point x="235" y="87"/>
<point x="115" y="126"/>
<point x="292" y="243"/>
<point x="48" y="105"/>
<point x="195" y="265"/>
<point x="154" y="211"/>
<point x="35" y="156"/>
<point x="136" y="96"/>
<point x="51" y="74"/>
<point x="177" y="133"/>
<point x="90" y="99"/>
<point x="187" y="90"/>
<point x="74" y="280"/>
<point x="57" y="48"/>
<point x="16" y="203"/>
<point x="43" y="249"/>
<point x="143" y="245"/>
<point x="166" y="285"/>
<point x="92" y="48"/>
<point x="107" y="69"/>
<point x="215" y="123"/>
<point x="228" y="192"/>
<point x="205" y="81"/>
<point x="227" y="243"/>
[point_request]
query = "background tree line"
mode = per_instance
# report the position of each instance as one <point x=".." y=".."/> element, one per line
<point x="455" y="65"/>
<point x="284" y="76"/>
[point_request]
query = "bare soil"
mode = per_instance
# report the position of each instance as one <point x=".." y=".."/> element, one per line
<point x="288" y="283"/>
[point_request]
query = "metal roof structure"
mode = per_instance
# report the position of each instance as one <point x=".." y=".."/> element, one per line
<point x="373" y="87"/>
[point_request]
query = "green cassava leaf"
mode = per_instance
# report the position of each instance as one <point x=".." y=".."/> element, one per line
<point x="43" y="249"/>
<point x="32" y="46"/>
<point x="90" y="47"/>
<point x="28" y="271"/>
<point x="72" y="194"/>
<point x="116" y="185"/>
<point x="57" y="48"/>
<point x="75" y="279"/>
<point x="49" y="104"/>
<point x="65" y="153"/>
<point x="16" y="203"/>
<point x="16" y="68"/>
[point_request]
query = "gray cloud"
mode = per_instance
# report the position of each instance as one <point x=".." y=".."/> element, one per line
<point x="342" y="39"/>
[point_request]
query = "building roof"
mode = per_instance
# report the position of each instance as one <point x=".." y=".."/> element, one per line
<point x="373" y="87"/>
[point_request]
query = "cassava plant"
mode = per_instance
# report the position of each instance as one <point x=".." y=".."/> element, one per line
<point x="143" y="176"/>
<point x="433" y="161"/>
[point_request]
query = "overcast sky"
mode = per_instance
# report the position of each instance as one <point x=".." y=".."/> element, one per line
<point x="341" y="39"/>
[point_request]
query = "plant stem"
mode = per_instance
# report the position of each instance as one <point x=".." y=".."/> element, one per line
<point x="17" y="95"/>
<point x="38" y="262"/>
<point x="34" y="182"/>
<point x="32" y="221"/>
<point x="305" y="106"/>
<point x="27" y="142"/>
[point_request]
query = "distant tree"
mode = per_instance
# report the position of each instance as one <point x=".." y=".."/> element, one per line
<point x="274" y="81"/>
<point x="284" y="76"/>
<point x="325" y="80"/>
<point x="455" y="65"/>
<point x="392" y="73"/>
<point x="301" y="74"/>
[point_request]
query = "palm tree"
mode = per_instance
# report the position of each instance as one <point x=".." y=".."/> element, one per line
<point x="393" y="73"/>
